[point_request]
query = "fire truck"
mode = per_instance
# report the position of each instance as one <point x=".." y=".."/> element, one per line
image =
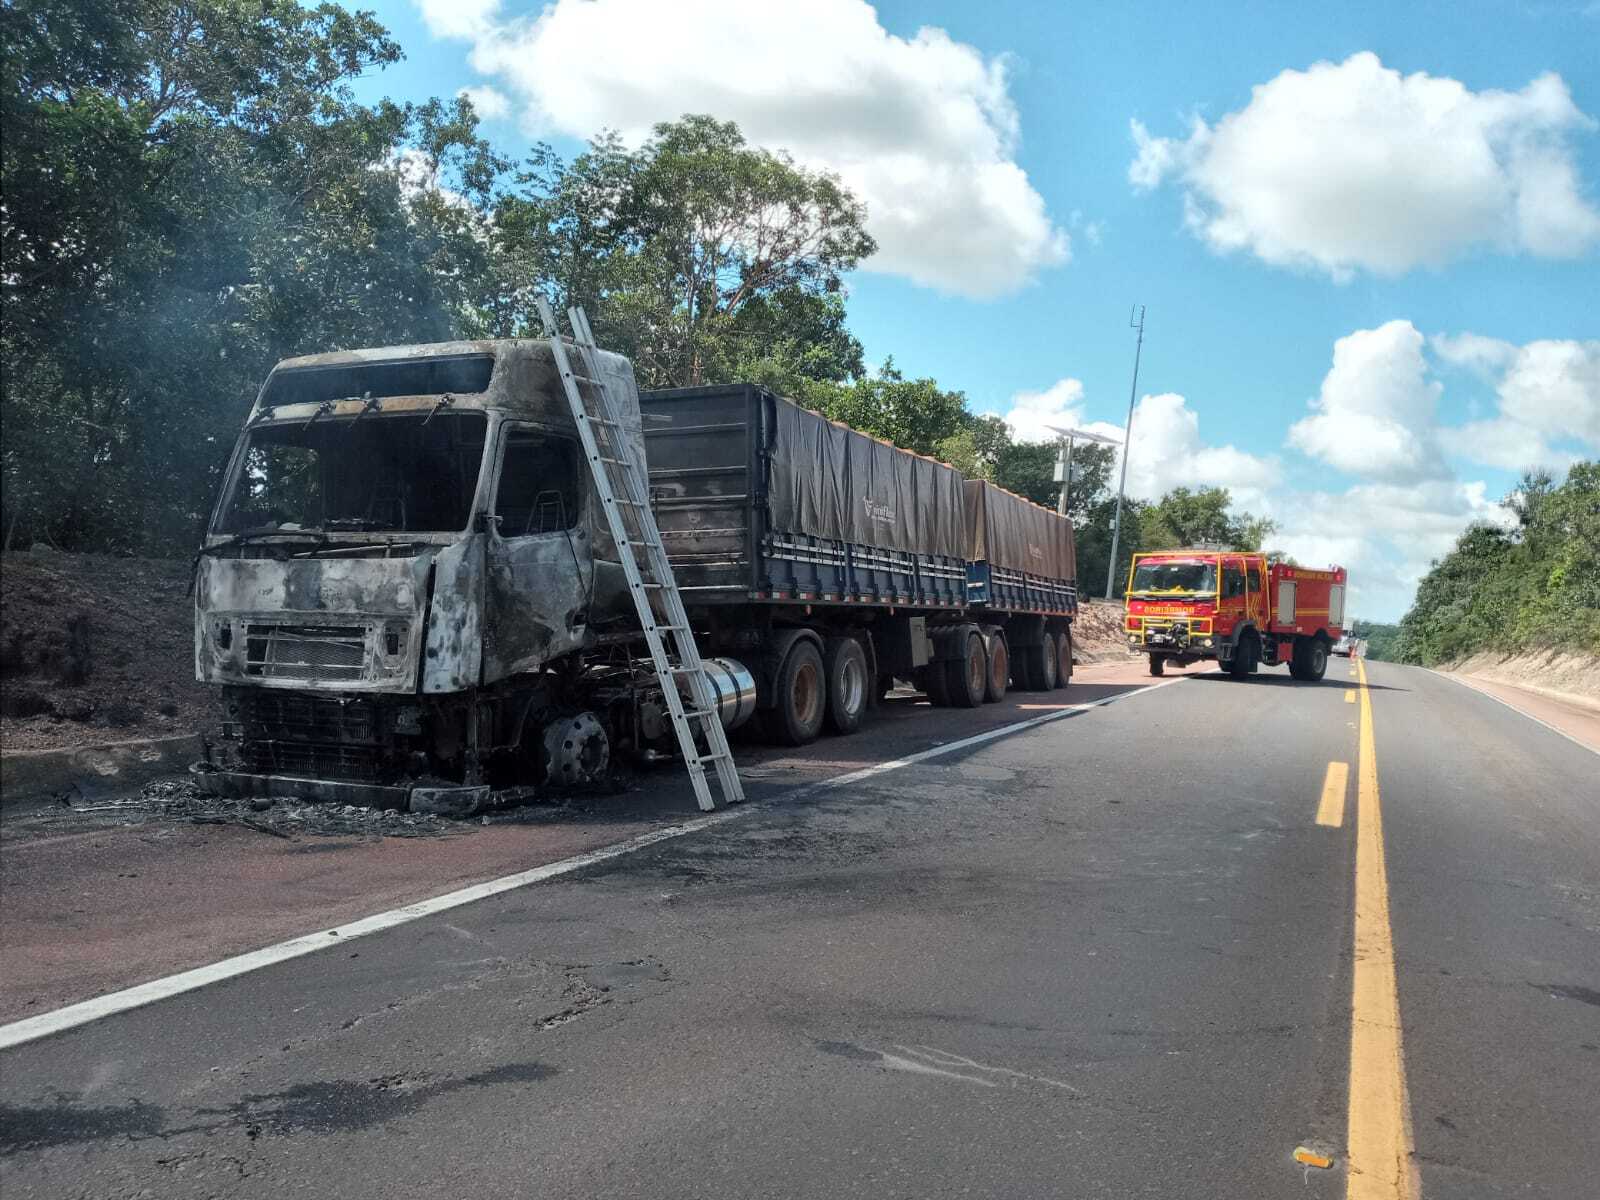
<point x="1236" y="608"/>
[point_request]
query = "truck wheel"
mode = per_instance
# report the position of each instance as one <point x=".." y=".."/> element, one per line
<point x="1246" y="656"/>
<point x="1038" y="666"/>
<point x="967" y="677"/>
<point x="1158" y="664"/>
<point x="999" y="669"/>
<point x="844" y="664"/>
<point x="801" y="694"/>
<point x="931" y="679"/>
<point x="1063" y="659"/>
<point x="1315" y="663"/>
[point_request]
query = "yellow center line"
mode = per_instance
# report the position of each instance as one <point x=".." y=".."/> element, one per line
<point x="1330" y="809"/>
<point x="1381" y="1166"/>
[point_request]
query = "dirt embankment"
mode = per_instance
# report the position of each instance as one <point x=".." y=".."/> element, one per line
<point x="96" y="649"/>
<point x="1558" y="673"/>
<point x="1097" y="634"/>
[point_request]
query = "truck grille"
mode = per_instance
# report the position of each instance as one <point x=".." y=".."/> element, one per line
<point x="316" y="652"/>
<point x="312" y="760"/>
<point x="268" y="713"/>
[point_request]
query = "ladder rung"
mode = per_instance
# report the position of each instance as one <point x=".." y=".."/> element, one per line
<point x="594" y="420"/>
<point x="650" y="545"/>
<point x="699" y="714"/>
<point x="645" y="583"/>
<point x="673" y="628"/>
<point x="615" y="462"/>
<point x="713" y="757"/>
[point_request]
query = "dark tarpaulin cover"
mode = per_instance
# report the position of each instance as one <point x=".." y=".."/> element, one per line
<point x="1007" y="531"/>
<point x="830" y="481"/>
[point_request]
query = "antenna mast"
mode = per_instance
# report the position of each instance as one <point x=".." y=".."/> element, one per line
<point x="1135" y="321"/>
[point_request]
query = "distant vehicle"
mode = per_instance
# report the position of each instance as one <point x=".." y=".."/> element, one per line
<point x="1187" y="605"/>
<point x="1348" y="646"/>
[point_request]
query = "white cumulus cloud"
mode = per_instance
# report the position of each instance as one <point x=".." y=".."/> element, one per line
<point x="1352" y="166"/>
<point x="1386" y="534"/>
<point x="922" y="128"/>
<point x="489" y="102"/>
<point x="1548" y="399"/>
<point x="1377" y="412"/>
<point x="1168" y="450"/>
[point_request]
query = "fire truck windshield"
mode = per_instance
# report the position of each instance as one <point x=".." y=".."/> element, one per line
<point x="1169" y="577"/>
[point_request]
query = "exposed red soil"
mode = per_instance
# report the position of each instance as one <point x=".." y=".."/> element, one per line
<point x="95" y="648"/>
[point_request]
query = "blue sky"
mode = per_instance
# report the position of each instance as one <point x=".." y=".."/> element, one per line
<point x="1428" y="199"/>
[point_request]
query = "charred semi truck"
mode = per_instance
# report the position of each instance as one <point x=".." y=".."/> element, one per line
<point x="410" y="597"/>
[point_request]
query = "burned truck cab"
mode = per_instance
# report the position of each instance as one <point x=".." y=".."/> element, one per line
<point x="405" y="576"/>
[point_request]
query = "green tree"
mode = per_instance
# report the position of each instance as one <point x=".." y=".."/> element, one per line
<point x="192" y="193"/>
<point x="1185" y="517"/>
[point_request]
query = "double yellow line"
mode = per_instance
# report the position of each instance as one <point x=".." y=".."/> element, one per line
<point x="1378" y="1139"/>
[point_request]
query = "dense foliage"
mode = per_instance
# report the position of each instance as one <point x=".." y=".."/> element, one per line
<point x="192" y="193"/>
<point x="1534" y="585"/>
<point x="1380" y="639"/>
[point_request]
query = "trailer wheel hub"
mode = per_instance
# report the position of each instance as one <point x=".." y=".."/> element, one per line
<point x="576" y="750"/>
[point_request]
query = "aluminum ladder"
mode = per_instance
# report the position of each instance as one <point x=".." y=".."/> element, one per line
<point x="622" y="480"/>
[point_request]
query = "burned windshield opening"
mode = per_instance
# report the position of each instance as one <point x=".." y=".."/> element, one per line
<point x="405" y="474"/>
<point x="456" y="374"/>
<point x="1175" y="577"/>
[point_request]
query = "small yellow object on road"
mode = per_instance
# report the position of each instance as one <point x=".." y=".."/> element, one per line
<point x="1311" y="1158"/>
<point x="1349" y="696"/>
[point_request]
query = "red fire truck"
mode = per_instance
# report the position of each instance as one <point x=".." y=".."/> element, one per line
<point x="1185" y="605"/>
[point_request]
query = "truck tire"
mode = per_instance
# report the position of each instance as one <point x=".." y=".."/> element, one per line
<point x="999" y="669"/>
<point x="967" y="677"/>
<point x="1246" y="655"/>
<point x="1158" y="664"/>
<point x="1038" y="663"/>
<point x="932" y="680"/>
<point x="1063" y="658"/>
<point x="844" y="665"/>
<point x="1310" y="662"/>
<point x="801" y="693"/>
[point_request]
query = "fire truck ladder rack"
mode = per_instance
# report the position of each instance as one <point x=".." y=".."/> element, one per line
<point x="623" y="482"/>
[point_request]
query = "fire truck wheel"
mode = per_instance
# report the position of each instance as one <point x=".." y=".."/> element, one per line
<point x="1063" y="659"/>
<point x="1315" y="660"/>
<point x="801" y="692"/>
<point x="1158" y="664"/>
<point x="844" y="663"/>
<point x="1246" y="656"/>
<point x="999" y="669"/>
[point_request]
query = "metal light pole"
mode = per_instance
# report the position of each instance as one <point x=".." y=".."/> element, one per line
<point x="1065" y="438"/>
<point x="1135" y="321"/>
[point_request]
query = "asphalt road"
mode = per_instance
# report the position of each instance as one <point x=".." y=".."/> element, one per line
<point x="1113" y="956"/>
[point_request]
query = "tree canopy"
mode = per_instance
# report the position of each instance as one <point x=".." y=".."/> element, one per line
<point x="192" y="193"/>
<point x="1534" y="585"/>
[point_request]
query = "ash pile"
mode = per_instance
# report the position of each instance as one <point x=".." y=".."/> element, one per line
<point x="181" y="800"/>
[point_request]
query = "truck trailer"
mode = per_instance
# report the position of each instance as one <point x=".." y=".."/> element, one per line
<point x="409" y="594"/>
<point x="1236" y="608"/>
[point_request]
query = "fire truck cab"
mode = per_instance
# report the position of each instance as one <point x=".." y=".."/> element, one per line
<point x="1236" y="608"/>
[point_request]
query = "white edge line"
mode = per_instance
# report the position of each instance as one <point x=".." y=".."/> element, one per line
<point x="59" y="1020"/>
<point x="1519" y="711"/>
